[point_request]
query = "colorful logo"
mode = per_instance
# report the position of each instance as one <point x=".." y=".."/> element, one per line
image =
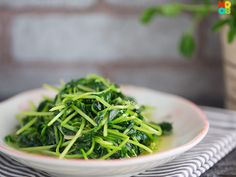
<point x="224" y="7"/>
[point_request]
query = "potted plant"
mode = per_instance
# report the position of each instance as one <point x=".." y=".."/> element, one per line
<point x="225" y="24"/>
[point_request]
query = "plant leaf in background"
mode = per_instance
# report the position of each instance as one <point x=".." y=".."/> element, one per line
<point x="231" y="34"/>
<point x="170" y="10"/>
<point x="164" y="10"/>
<point x="199" y="11"/>
<point x="187" y="45"/>
<point x="219" y="24"/>
<point x="148" y="15"/>
<point x="232" y="26"/>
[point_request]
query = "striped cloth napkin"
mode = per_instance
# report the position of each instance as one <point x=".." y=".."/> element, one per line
<point x="219" y="141"/>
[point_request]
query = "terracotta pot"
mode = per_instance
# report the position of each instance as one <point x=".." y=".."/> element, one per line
<point x="229" y="56"/>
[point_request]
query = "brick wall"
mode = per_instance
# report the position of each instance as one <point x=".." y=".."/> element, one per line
<point x="47" y="40"/>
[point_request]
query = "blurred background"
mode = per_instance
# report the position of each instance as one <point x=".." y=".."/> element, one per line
<point x="48" y="40"/>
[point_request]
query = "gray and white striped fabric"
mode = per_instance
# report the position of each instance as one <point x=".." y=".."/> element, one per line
<point x="219" y="141"/>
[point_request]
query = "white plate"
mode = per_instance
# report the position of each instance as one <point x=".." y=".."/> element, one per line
<point x="189" y="123"/>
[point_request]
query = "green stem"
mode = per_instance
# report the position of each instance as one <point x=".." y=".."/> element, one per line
<point x="47" y="152"/>
<point x="32" y="105"/>
<point x="56" y="134"/>
<point x="102" y="142"/>
<point x="157" y="127"/>
<point x="84" y="115"/>
<point x="36" y="113"/>
<point x="84" y="154"/>
<point x="122" y="119"/>
<point x="115" y="150"/>
<point x="59" y="145"/>
<point x="69" y="127"/>
<point x="78" y="134"/>
<point x="26" y="126"/>
<point x="70" y="156"/>
<point x="78" y="96"/>
<point x="68" y="118"/>
<point x="51" y="87"/>
<point x="56" y="117"/>
<point x="91" y="148"/>
<point x="105" y="129"/>
<point x="104" y="81"/>
<point x="84" y="88"/>
<point x="140" y="145"/>
<point x="117" y="127"/>
<point x="98" y="99"/>
<point x="58" y="107"/>
<point x="197" y="7"/>
<point x="38" y="148"/>
<point x="117" y="133"/>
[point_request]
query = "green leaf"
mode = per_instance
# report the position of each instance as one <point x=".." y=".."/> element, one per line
<point x="148" y="15"/>
<point x="231" y="35"/>
<point x="233" y="1"/>
<point x="166" y="127"/>
<point x="165" y="10"/>
<point x="187" y="45"/>
<point x="219" y="24"/>
<point x="232" y="30"/>
<point x="170" y="9"/>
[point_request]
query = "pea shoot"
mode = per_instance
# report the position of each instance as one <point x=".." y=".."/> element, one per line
<point x="89" y="118"/>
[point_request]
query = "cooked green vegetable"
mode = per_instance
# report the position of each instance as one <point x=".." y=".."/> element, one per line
<point x="89" y="118"/>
